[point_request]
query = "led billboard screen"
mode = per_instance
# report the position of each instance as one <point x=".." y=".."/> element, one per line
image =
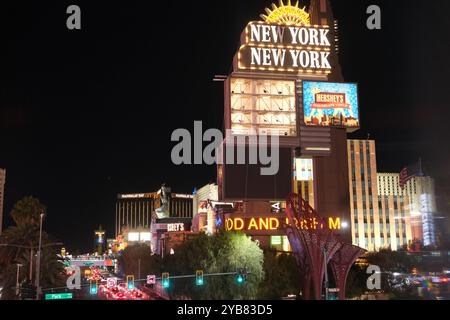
<point x="329" y="104"/>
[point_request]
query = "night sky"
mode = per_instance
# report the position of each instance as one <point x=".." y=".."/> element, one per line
<point x="87" y="114"/>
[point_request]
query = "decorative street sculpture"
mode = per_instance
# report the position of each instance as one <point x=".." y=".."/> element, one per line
<point x="315" y="247"/>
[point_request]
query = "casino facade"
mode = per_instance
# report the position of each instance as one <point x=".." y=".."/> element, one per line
<point x="286" y="81"/>
<point x="286" y="85"/>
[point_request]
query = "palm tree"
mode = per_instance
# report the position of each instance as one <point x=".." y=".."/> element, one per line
<point x="52" y="269"/>
<point x="18" y="245"/>
<point x="8" y="282"/>
<point x="27" y="211"/>
<point x="15" y="240"/>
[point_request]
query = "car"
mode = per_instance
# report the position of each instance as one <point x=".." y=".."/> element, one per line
<point x="136" y="293"/>
<point x="120" y="296"/>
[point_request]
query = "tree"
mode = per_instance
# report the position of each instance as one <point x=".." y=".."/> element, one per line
<point x="52" y="273"/>
<point x="389" y="262"/>
<point x="221" y="253"/>
<point x="18" y="242"/>
<point x="25" y="235"/>
<point x="27" y="211"/>
<point x="129" y="261"/>
<point x="356" y="281"/>
<point x="282" y="276"/>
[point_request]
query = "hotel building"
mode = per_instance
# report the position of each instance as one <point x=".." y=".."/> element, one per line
<point x="379" y="220"/>
<point x="135" y="211"/>
<point x="2" y="194"/>
<point x="421" y="192"/>
<point x="309" y="108"/>
<point x="151" y="219"/>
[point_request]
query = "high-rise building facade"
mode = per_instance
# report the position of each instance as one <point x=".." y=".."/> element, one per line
<point x="365" y="218"/>
<point x="2" y="194"/>
<point x="134" y="211"/>
<point x="421" y="192"/>
<point x="378" y="220"/>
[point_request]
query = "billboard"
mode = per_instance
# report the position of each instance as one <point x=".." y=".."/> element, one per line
<point x="329" y="104"/>
<point x="263" y="106"/>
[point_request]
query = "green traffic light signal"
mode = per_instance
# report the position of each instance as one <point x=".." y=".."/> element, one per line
<point x="241" y="276"/>
<point x="165" y="280"/>
<point x="130" y="282"/>
<point x="93" y="287"/>
<point x="199" y="277"/>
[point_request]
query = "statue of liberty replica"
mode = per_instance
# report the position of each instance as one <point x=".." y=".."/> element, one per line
<point x="163" y="210"/>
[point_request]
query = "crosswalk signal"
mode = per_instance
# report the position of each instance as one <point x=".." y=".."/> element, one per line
<point x="165" y="280"/>
<point x="199" y="277"/>
<point x="93" y="288"/>
<point x="130" y="282"/>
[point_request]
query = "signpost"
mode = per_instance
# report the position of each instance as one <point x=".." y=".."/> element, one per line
<point x="111" y="282"/>
<point x="151" y="279"/>
<point x="58" y="296"/>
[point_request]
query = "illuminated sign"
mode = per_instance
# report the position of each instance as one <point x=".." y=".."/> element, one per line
<point x="184" y="196"/>
<point x="139" y="236"/>
<point x="330" y="104"/>
<point x="283" y="48"/>
<point x="287" y="14"/>
<point x="275" y="223"/>
<point x="137" y="196"/>
<point x="304" y="169"/>
<point x="145" y="236"/>
<point x="133" y="236"/>
<point x="58" y="296"/>
<point x="174" y="227"/>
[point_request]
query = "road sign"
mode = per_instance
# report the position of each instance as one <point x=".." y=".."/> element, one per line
<point x="58" y="296"/>
<point x="111" y="282"/>
<point x="151" y="279"/>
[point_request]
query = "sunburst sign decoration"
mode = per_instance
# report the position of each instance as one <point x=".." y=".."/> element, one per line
<point x="287" y="14"/>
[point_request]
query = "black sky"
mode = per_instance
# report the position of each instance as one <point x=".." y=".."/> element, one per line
<point x="87" y="114"/>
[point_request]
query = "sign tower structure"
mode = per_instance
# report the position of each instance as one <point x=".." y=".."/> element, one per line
<point x="290" y="54"/>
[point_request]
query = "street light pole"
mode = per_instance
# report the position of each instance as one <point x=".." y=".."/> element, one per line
<point x="31" y="265"/>
<point x="17" y="278"/>
<point x="326" y="272"/>
<point x="139" y="269"/>
<point x="38" y="259"/>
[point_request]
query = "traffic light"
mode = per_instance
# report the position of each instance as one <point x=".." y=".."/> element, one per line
<point x="241" y="276"/>
<point x="199" y="277"/>
<point x="130" y="282"/>
<point x="93" y="288"/>
<point x="165" y="280"/>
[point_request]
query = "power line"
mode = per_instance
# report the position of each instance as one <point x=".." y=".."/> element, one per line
<point x="160" y="278"/>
